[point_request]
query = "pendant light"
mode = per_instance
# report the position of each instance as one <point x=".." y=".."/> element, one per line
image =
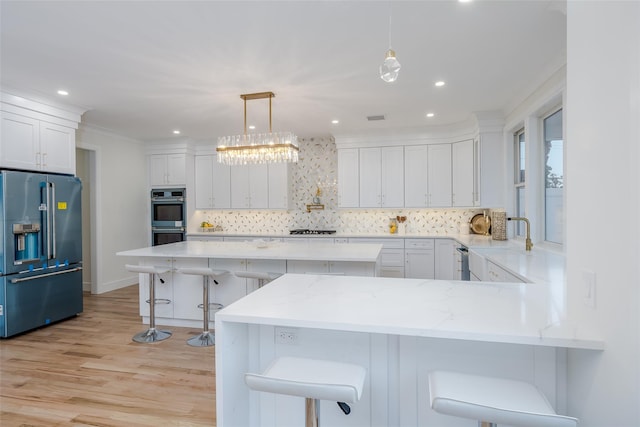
<point x="390" y="68"/>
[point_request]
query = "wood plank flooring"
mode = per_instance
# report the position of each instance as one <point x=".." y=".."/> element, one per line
<point x="86" y="371"/>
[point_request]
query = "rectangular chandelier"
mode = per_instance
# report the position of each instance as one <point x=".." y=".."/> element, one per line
<point x="271" y="147"/>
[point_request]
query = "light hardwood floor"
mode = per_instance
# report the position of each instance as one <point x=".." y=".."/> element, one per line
<point x="86" y="371"/>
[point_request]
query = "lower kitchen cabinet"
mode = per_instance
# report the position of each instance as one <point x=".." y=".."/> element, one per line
<point x="391" y="256"/>
<point x="333" y="267"/>
<point x="419" y="256"/>
<point x="263" y="266"/>
<point x="445" y="260"/>
<point x="496" y="273"/>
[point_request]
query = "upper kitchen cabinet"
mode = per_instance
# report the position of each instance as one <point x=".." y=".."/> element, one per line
<point x="279" y="182"/>
<point x="348" y="179"/>
<point x="439" y="175"/>
<point x="37" y="137"/>
<point x="464" y="163"/>
<point x="249" y="186"/>
<point x="381" y="182"/>
<point x="167" y="170"/>
<point x="416" y="191"/>
<point x="212" y="183"/>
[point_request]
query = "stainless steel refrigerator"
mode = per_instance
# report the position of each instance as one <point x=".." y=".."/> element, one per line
<point x="41" y="257"/>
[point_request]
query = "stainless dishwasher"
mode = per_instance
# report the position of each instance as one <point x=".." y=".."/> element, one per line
<point x="462" y="253"/>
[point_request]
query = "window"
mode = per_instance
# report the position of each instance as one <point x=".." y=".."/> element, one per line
<point x="553" y="178"/>
<point x="519" y="174"/>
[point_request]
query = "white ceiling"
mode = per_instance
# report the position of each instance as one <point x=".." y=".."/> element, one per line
<point x="144" y="68"/>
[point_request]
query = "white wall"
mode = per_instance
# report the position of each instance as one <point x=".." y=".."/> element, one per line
<point x="120" y="189"/>
<point x="603" y="196"/>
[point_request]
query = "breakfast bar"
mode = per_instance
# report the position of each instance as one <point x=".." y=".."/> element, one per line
<point x="185" y="292"/>
<point x="399" y="330"/>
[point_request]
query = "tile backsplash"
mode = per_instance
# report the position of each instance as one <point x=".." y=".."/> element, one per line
<point x="317" y="168"/>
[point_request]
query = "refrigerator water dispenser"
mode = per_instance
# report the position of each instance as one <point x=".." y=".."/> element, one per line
<point x="26" y="242"/>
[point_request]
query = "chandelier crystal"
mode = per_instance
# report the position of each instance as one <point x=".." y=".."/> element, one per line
<point x="271" y="147"/>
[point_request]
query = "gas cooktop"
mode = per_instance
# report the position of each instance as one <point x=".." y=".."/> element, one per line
<point x="307" y="231"/>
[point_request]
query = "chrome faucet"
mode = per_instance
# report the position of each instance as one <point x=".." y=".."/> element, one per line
<point x="528" y="245"/>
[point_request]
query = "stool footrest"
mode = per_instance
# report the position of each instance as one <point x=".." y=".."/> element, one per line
<point x="159" y="301"/>
<point x="212" y="305"/>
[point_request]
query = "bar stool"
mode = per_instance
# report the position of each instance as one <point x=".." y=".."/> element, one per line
<point x="152" y="334"/>
<point x="493" y="401"/>
<point x="262" y="277"/>
<point x="205" y="338"/>
<point x="312" y="379"/>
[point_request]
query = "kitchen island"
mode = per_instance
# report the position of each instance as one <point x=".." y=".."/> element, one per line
<point x="399" y="330"/>
<point x="185" y="291"/>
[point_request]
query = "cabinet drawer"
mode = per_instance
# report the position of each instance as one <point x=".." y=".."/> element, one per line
<point x="386" y="243"/>
<point x="496" y="273"/>
<point x="419" y="243"/>
<point x="392" y="258"/>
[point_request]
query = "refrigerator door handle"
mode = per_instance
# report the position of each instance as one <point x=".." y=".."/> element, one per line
<point x="52" y="210"/>
<point x="44" y="212"/>
<point x="40" y="276"/>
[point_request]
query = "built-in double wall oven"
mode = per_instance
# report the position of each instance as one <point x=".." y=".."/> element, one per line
<point x="168" y="215"/>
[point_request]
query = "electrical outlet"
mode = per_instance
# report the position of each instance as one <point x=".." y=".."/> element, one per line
<point x="286" y="336"/>
<point x="589" y="281"/>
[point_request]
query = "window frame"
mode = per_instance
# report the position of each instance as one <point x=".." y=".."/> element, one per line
<point x="541" y="197"/>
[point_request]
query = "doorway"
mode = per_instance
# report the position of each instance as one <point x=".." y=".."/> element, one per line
<point x="86" y="166"/>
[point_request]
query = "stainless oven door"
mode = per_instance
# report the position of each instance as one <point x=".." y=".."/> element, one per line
<point x="168" y="213"/>
<point x="162" y="236"/>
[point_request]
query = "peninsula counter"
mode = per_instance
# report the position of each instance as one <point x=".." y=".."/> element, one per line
<point x="399" y="329"/>
<point x="185" y="291"/>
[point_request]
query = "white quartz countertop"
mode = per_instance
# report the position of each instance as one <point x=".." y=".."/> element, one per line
<point x="357" y="252"/>
<point x="475" y="311"/>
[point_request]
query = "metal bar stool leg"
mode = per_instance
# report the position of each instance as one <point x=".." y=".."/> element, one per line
<point x="152" y="334"/>
<point x="311" y="412"/>
<point x="206" y="338"/>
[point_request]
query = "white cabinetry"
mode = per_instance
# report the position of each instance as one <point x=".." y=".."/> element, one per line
<point x="439" y="175"/>
<point x="416" y="190"/>
<point x="464" y="173"/>
<point x="279" y="185"/>
<point x="249" y="187"/>
<point x="348" y="178"/>
<point x="496" y="273"/>
<point x="445" y="259"/>
<point x="32" y="144"/>
<point x="381" y="183"/>
<point x="167" y="170"/>
<point x="213" y="183"/>
<point x="391" y="256"/>
<point x="427" y="176"/>
<point x="419" y="259"/>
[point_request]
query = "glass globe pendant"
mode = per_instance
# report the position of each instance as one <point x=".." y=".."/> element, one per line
<point x="390" y="68"/>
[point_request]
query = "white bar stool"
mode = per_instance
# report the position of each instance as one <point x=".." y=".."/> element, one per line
<point x="262" y="277"/>
<point x="152" y="334"/>
<point x="205" y="338"/>
<point x="493" y="401"/>
<point x="312" y="379"/>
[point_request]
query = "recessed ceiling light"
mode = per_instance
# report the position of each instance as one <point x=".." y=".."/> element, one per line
<point x="63" y="92"/>
<point x="465" y="1"/>
<point x="252" y="127"/>
<point x="335" y="122"/>
<point x="430" y="114"/>
<point x="439" y="83"/>
<point x="176" y="132"/>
